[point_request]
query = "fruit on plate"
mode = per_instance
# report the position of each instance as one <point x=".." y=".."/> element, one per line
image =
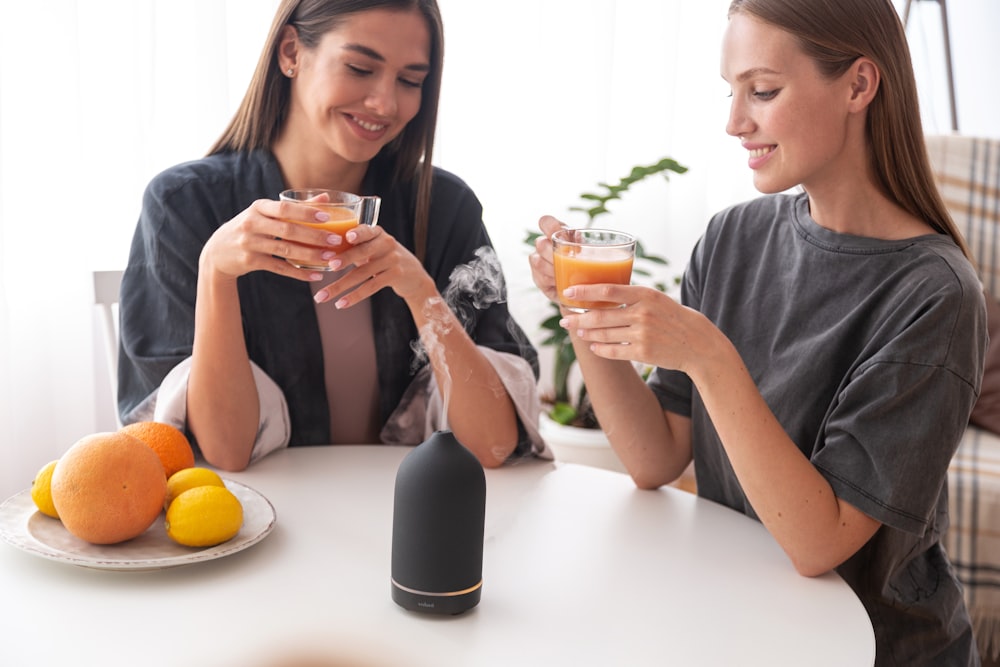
<point x="190" y="478"/>
<point x="41" y="490"/>
<point x="204" y="516"/>
<point x="108" y="487"/>
<point x="169" y="443"/>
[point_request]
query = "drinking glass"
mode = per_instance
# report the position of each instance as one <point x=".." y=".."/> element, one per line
<point x="346" y="211"/>
<point x="590" y="257"/>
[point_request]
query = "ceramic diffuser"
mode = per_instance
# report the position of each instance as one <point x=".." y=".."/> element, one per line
<point x="438" y="524"/>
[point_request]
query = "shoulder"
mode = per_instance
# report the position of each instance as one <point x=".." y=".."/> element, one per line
<point x="750" y="224"/>
<point x="453" y="202"/>
<point x="448" y="186"/>
<point x="220" y="173"/>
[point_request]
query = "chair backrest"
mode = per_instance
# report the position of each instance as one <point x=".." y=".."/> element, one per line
<point x="967" y="170"/>
<point x="106" y="287"/>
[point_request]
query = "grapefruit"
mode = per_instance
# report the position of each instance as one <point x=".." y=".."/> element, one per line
<point x="108" y="488"/>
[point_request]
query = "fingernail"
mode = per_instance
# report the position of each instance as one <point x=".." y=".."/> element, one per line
<point x="329" y="254"/>
<point x="342" y="303"/>
<point x="334" y="239"/>
<point x="352" y="237"/>
<point x="321" y="216"/>
<point x="315" y="276"/>
<point x="321" y="296"/>
<point x="336" y="264"/>
<point x="563" y="322"/>
<point x="569" y="291"/>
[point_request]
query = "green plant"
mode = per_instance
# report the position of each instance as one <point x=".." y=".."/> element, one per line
<point x="576" y="410"/>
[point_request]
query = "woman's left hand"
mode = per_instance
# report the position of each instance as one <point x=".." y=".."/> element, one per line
<point x="649" y="327"/>
<point x="376" y="260"/>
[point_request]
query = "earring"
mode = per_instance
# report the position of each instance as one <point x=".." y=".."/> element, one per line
<point x="290" y="72"/>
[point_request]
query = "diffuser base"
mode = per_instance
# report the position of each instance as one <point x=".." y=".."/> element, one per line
<point x="428" y="603"/>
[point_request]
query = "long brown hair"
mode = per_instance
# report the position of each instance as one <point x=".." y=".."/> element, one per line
<point x="835" y="33"/>
<point x="261" y="114"/>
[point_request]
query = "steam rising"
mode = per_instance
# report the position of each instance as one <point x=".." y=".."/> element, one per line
<point x="472" y="288"/>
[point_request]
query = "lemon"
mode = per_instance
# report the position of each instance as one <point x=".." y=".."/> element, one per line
<point x="204" y="516"/>
<point x="41" y="490"/>
<point x="190" y="478"/>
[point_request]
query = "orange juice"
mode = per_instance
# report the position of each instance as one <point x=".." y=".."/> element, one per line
<point x="342" y="220"/>
<point x="590" y="265"/>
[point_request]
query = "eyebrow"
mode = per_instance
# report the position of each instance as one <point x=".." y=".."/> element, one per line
<point x="756" y="71"/>
<point x="375" y="55"/>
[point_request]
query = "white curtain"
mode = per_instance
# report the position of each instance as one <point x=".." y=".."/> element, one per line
<point x="542" y="99"/>
<point x="96" y="96"/>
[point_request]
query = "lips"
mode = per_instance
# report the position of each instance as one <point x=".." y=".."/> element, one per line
<point x="367" y="125"/>
<point x="759" y="153"/>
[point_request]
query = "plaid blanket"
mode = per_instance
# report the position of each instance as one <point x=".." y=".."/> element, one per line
<point x="968" y="174"/>
<point x="973" y="539"/>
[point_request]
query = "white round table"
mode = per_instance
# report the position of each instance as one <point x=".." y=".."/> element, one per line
<point x="580" y="568"/>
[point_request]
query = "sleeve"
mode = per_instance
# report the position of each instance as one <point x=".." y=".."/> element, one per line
<point x="156" y="308"/>
<point x="168" y="404"/>
<point x="421" y="412"/>
<point x="902" y="414"/>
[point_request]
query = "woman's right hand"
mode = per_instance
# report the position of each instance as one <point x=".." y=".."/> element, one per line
<point x="262" y="236"/>
<point x="542" y="269"/>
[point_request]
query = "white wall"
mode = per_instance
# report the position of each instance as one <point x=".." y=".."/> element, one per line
<point x="973" y="25"/>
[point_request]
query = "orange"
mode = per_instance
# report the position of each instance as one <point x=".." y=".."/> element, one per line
<point x="108" y="488"/>
<point x="169" y="443"/>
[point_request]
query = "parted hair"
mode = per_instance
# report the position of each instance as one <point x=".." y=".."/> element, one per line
<point x="835" y="33"/>
<point x="262" y="113"/>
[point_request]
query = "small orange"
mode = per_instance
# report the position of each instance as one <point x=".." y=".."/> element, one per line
<point x="108" y="488"/>
<point x="169" y="443"/>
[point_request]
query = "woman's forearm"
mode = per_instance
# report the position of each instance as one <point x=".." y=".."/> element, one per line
<point x="222" y="402"/>
<point x="816" y="529"/>
<point x="653" y="450"/>
<point x="479" y="410"/>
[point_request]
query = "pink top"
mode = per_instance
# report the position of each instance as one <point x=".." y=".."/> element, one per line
<point x="350" y="370"/>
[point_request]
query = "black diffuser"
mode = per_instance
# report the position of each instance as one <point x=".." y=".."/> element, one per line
<point x="438" y="521"/>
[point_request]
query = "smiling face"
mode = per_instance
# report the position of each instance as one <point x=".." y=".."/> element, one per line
<point x="793" y="121"/>
<point x="358" y="88"/>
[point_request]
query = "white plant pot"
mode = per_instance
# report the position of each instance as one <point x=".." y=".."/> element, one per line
<point x="572" y="444"/>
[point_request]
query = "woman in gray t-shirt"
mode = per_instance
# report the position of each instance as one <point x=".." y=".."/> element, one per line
<point x="828" y="348"/>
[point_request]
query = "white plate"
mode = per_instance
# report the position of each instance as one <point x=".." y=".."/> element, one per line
<point x="24" y="527"/>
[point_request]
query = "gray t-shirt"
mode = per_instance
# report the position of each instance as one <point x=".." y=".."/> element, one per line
<point x="870" y="354"/>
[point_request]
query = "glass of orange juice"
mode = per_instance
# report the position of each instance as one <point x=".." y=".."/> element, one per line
<point x="591" y="257"/>
<point x="346" y="212"/>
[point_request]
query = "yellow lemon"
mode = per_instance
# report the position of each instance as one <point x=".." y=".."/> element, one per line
<point x="190" y="478"/>
<point x="204" y="516"/>
<point x="41" y="490"/>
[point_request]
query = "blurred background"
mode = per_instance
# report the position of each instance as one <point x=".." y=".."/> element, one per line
<point x="542" y="99"/>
